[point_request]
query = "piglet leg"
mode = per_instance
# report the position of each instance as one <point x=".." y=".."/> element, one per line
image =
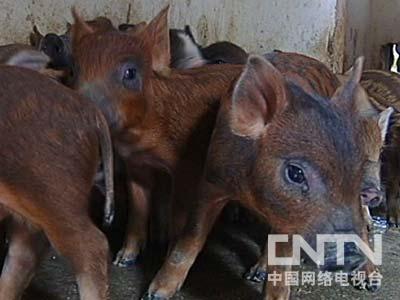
<point x="392" y="200"/>
<point x="258" y="272"/>
<point x="86" y="248"/>
<point x="26" y="248"/>
<point x="136" y="232"/>
<point x="367" y="216"/>
<point x="172" y="274"/>
<point x="368" y="268"/>
<point x="278" y="290"/>
<point x="392" y="166"/>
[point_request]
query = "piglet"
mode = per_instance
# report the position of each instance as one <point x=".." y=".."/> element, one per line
<point x="383" y="89"/>
<point x="53" y="141"/>
<point x="58" y="47"/>
<point x="294" y="158"/>
<point x="186" y="53"/>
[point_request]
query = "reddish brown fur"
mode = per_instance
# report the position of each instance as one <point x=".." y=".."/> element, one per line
<point x="163" y="123"/>
<point x="50" y="153"/>
<point x="166" y="131"/>
<point x="169" y="132"/>
<point x="383" y="88"/>
<point x="250" y="175"/>
<point x="312" y="75"/>
<point x="98" y="24"/>
<point x="315" y="78"/>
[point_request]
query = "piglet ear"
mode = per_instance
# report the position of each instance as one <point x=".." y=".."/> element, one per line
<point x="157" y="33"/>
<point x="35" y="37"/>
<point x="259" y="94"/>
<point x="30" y="59"/>
<point x="80" y="28"/>
<point x="189" y="33"/>
<point x="383" y="121"/>
<point x="348" y="95"/>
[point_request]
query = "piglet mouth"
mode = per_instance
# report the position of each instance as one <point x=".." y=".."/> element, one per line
<point x="371" y="197"/>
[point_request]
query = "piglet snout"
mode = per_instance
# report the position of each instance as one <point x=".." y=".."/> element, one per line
<point x="372" y="197"/>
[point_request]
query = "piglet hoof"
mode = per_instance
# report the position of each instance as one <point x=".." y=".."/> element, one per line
<point x="372" y="287"/>
<point x="391" y="224"/>
<point x="125" y="260"/>
<point x="256" y="274"/>
<point x="108" y="219"/>
<point x="150" y="296"/>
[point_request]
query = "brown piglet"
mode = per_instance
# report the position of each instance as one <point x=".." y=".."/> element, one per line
<point x="52" y="143"/>
<point x="293" y="158"/>
<point x="160" y="118"/>
<point x="383" y="89"/>
<point x="315" y="77"/>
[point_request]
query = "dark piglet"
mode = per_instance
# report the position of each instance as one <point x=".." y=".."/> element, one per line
<point x="224" y="53"/>
<point x="58" y="47"/>
<point x="53" y="142"/>
<point x="186" y="53"/>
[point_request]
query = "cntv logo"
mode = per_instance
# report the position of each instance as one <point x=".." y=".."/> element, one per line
<point x="318" y="255"/>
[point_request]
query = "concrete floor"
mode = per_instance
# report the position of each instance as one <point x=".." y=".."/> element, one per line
<point x="216" y="275"/>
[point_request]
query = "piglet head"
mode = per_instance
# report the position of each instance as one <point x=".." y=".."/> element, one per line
<point x="35" y="36"/>
<point x="224" y="53"/>
<point x="58" y="48"/>
<point x="307" y="153"/>
<point x="375" y="127"/>
<point x="114" y="68"/>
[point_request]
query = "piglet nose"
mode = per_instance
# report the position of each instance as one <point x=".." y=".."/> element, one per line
<point x="372" y="197"/>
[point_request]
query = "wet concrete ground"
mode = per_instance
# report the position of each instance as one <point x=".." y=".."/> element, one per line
<point x="216" y="275"/>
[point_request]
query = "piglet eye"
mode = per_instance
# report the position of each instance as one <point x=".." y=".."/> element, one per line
<point x="130" y="74"/>
<point x="295" y="174"/>
<point x="130" y="77"/>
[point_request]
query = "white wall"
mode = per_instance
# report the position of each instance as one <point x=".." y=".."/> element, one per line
<point x="258" y="25"/>
<point x="17" y="17"/>
<point x="358" y="36"/>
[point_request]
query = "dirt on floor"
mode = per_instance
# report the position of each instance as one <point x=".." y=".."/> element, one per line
<point x="216" y="275"/>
